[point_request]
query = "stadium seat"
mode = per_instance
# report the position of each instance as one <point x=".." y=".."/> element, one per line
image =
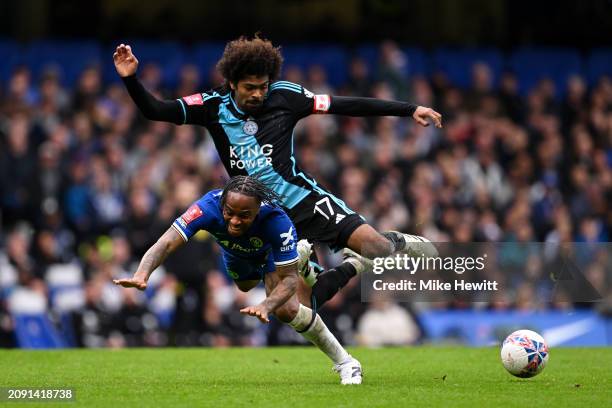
<point x="457" y="64"/>
<point x="36" y="332"/>
<point x="67" y="329"/>
<point x="418" y="61"/>
<point x="11" y="57"/>
<point x="163" y="304"/>
<point x="168" y="55"/>
<point x="369" y="54"/>
<point x="530" y="64"/>
<point x="8" y="277"/>
<point x="33" y="329"/>
<point x="599" y="63"/>
<point x="335" y="61"/>
<point x="205" y="56"/>
<point x="69" y="58"/>
<point x="160" y="300"/>
<point x="66" y="290"/>
<point x="297" y="55"/>
<point x="332" y="58"/>
<point x="533" y="64"/>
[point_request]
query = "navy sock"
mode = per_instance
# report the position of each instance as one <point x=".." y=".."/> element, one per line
<point x="330" y="282"/>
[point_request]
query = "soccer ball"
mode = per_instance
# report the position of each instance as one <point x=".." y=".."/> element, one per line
<point x="524" y="353"/>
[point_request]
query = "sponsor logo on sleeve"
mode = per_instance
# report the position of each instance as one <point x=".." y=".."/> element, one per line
<point x="192" y="213"/>
<point x="287" y="236"/>
<point x="288" y="243"/>
<point x="321" y="103"/>
<point x="195" y="99"/>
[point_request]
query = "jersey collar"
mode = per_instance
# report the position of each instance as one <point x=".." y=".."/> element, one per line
<point x="235" y="105"/>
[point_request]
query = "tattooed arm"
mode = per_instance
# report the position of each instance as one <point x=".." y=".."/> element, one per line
<point x="280" y="285"/>
<point x="165" y="245"/>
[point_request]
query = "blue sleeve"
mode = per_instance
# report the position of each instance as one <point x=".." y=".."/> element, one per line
<point x="281" y="234"/>
<point x="197" y="217"/>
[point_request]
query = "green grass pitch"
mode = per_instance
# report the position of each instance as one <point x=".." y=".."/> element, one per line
<point x="302" y="377"/>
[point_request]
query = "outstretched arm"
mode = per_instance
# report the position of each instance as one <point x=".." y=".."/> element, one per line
<point x="165" y="245"/>
<point x="280" y="294"/>
<point x="358" y="106"/>
<point x="152" y="108"/>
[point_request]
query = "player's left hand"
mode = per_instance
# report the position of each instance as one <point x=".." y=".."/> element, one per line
<point x="259" y="311"/>
<point x="421" y="114"/>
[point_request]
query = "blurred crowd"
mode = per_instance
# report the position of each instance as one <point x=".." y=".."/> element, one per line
<point x="87" y="185"/>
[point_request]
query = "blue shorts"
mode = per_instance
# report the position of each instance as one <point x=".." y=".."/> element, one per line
<point x="240" y="269"/>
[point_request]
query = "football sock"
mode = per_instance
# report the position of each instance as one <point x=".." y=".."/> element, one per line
<point x="311" y="327"/>
<point x="397" y="240"/>
<point x="330" y="282"/>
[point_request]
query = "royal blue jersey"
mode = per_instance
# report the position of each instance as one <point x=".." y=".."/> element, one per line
<point x="271" y="234"/>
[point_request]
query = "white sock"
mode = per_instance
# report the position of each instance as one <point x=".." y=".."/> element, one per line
<point x="319" y="335"/>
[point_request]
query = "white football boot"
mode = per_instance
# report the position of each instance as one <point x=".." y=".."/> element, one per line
<point x="417" y="245"/>
<point x="305" y="268"/>
<point x="360" y="263"/>
<point x="350" y="371"/>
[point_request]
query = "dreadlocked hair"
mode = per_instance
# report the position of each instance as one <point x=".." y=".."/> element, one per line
<point x="252" y="187"/>
<point x="244" y="57"/>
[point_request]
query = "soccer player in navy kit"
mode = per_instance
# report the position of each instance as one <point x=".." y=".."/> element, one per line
<point x="258" y="242"/>
<point x="251" y="120"/>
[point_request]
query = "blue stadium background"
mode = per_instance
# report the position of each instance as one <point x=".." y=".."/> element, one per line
<point x="87" y="184"/>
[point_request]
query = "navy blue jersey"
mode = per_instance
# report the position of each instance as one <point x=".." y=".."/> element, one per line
<point x="271" y="234"/>
<point x="261" y="145"/>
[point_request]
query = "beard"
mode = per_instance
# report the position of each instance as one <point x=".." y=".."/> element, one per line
<point x="252" y="107"/>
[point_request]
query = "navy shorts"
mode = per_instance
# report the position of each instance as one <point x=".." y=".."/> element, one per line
<point x="322" y="217"/>
<point x="241" y="269"/>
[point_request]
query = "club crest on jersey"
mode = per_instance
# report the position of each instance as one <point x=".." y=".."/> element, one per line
<point x="250" y="127"/>
<point x="256" y="242"/>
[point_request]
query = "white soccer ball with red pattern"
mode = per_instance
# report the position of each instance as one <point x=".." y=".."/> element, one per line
<point x="524" y="353"/>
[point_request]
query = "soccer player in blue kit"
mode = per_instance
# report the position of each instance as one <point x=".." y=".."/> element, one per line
<point x="258" y="242"/>
<point x="251" y="119"/>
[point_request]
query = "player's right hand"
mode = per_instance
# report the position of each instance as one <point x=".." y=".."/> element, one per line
<point x="259" y="311"/>
<point x="125" y="62"/>
<point x="137" y="283"/>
